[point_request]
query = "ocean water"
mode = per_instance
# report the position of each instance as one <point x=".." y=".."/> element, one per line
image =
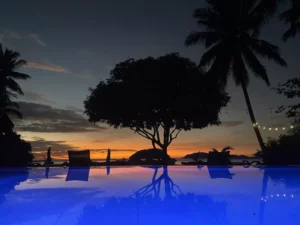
<point x="145" y="196"/>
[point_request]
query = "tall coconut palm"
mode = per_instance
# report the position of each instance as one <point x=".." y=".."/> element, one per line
<point x="9" y="88"/>
<point x="229" y="31"/>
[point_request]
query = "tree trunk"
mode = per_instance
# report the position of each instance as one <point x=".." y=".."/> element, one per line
<point x="166" y="139"/>
<point x="165" y="151"/>
<point x="253" y="120"/>
<point x="153" y="144"/>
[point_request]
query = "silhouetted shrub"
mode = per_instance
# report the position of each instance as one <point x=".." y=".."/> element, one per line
<point x="150" y="157"/>
<point x="284" y="151"/>
<point x="14" y="151"/>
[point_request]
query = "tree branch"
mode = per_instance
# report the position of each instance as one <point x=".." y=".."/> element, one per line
<point x="142" y="132"/>
<point x="176" y="135"/>
<point x="157" y="132"/>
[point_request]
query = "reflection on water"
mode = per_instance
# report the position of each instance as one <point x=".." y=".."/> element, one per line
<point x="81" y="174"/>
<point x="174" y="195"/>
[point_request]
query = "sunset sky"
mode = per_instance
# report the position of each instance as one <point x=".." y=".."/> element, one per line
<point x="72" y="45"/>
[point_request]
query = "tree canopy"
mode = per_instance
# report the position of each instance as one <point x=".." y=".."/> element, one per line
<point x="167" y="94"/>
<point x="14" y="151"/>
<point x="290" y="89"/>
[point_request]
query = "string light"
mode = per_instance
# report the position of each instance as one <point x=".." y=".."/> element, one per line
<point x="278" y="196"/>
<point x="272" y="128"/>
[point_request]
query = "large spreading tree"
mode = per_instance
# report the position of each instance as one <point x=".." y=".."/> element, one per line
<point x="230" y="32"/>
<point x="157" y="98"/>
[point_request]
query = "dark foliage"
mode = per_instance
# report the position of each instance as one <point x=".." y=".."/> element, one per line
<point x="285" y="150"/>
<point x="228" y="32"/>
<point x="9" y="88"/>
<point x="150" y="157"/>
<point x="290" y="89"/>
<point x="291" y="17"/>
<point x="166" y="94"/>
<point x="216" y="158"/>
<point x="14" y="151"/>
<point x="268" y="8"/>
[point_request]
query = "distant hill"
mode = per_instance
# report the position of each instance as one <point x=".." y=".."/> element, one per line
<point x="204" y="155"/>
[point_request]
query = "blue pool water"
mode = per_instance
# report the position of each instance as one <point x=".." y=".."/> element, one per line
<point x="144" y="196"/>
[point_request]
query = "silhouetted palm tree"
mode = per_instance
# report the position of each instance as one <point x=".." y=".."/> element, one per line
<point x="9" y="63"/>
<point x="230" y="31"/>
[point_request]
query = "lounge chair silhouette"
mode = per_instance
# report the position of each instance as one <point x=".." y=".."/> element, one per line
<point x="79" y="158"/>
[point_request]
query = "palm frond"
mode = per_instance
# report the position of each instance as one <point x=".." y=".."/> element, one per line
<point x="268" y="7"/>
<point x="239" y="71"/>
<point x="12" y="104"/>
<point x="17" y="75"/>
<point x="211" y="54"/>
<point x="202" y="13"/>
<point x="14" y="112"/>
<point x="227" y="148"/>
<point x="20" y="63"/>
<point x="14" y="86"/>
<point x="290" y="33"/>
<point x="11" y="94"/>
<point x="266" y="50"/>
<point x="254" y="64"/>
<point x="214" y="150"/>
<point x="209" y="38"/>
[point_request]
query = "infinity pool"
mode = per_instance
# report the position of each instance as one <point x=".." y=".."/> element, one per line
<point x="144" y="196"/>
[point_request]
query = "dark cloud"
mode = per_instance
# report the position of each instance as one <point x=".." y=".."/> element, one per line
<point x="75" y="109"/>
<point x="44" y="118"/>
<point x="232" y="123"/>
<point x="35" y="96"/>
<point x="40" y="146"/>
